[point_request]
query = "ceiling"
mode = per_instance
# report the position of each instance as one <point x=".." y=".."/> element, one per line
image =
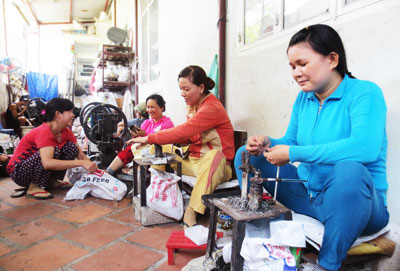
<point x="46" y="12"/>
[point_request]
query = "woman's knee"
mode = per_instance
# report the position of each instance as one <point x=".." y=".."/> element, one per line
<point x="69" y="151"/>
<point x="350" y="175"/>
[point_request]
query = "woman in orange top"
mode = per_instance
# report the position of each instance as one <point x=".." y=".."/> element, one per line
<point x="209" y="132"/>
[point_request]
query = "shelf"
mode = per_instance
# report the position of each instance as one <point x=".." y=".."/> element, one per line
<point x="116" y="84"/>
<point x="118" y="55"/>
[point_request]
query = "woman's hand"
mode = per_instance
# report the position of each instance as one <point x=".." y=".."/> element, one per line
<point x="277" y="155"/>
<point x="137" y="132"/>
<point x="89" y="166"/>
<point x="141" y="139"/>
<point x="257" y="144"/>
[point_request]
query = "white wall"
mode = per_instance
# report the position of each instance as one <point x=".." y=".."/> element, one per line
<point x="188" y="34"/>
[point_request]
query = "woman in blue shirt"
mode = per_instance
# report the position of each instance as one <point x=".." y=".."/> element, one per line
<point x="337" y="133"/>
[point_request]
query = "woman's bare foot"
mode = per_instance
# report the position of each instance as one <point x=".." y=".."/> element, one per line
<point x="36" y="192"/>
<point x="189" y="219"/>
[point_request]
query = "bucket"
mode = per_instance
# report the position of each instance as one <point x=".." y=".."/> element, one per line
<point x="25" y="130"/>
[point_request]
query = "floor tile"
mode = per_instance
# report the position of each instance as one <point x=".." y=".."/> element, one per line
<point x="4" y="249"/>
<point x="59" y="199"/>
<point x="48" y="255"/>
<point x="4" y="207"/>
<point x="126" y="216"/>
<point x="119" y="257"/>
<point x="35" y="231"/>
<point x="22" y="201"/>
<point x="125" y="202"/>
<point x="98" y="233"/>
<point x="155" y="237"/>
<point x="28" y="213"/>
<point x="5" y="224"/>
<point x="83" y="213"/>
<point x="181" y="259"/>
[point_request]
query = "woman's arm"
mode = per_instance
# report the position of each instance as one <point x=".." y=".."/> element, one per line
<point x="208" y="116"/>
<point x="13" y="110"/>
<point x="49" y="163"/>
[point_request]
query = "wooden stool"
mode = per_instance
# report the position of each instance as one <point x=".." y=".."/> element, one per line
<point x="178" y="240"/>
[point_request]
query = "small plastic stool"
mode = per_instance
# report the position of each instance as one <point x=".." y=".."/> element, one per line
<point x="178" y="240"/>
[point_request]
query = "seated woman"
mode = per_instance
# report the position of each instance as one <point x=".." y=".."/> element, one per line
<point x="337" y="133"/>
<point x="155" y="105"/>
<point x="17" y="115"/>
<point x="209" y="131"/>
<point x="46" y="152"/>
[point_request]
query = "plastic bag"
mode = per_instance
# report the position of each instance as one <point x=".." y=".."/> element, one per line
<point x="99" y="184"/>
<point x="266" y="245"/>
<point x="259" y="255"/>
<point x="163" y="194"/>
<point x="198" y="234"/>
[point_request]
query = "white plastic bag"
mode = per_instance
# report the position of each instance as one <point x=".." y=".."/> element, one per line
<point x="266" y="245"/>
<point x="259" y="255"/>
<point x="163" y="194"/>
<point x="198" y="234"/>
<point x="99" y="184"/>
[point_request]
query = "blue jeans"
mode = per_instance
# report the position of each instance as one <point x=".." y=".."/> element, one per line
<point x="348" y="206"/>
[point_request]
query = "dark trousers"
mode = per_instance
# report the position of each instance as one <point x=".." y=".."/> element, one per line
<point x="348" y="206"/>
<point x="31" y="170"/>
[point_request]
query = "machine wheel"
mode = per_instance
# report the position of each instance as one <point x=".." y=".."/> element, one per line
<point x="100" y="121"/>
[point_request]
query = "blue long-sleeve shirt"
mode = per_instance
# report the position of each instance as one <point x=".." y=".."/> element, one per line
<point x="349" y="126"/>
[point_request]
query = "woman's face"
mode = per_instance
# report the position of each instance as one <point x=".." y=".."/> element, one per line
<point x="190" y="92"/>
<point x="154" y="110"/>
<point x="310" y="69"/>
<point x="67" y="117"/>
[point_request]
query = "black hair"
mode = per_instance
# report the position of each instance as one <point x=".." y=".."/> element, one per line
<point x="76" y="111"/>
<point x="57" y="104"/>
<point x="159" y="100"/>
<point x="197" y="76"/>
<point x="324" y="40"/>
<point x="24" y="98"/>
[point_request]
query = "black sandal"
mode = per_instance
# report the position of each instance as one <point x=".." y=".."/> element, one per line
<point x="19" y="192"/>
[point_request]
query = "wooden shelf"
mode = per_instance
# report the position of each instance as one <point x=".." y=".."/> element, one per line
<point x="116" y="84"/>
<point x="120" y="55"/>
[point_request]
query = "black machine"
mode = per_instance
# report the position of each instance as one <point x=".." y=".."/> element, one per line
<point x="36" y="108"/>
<point x="100" y="122"/>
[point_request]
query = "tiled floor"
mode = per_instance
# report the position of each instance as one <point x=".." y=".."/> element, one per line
<point x="90" y="234"/>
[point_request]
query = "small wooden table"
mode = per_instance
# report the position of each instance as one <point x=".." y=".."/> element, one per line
<point x="145" y="177"/>
<point x="214" y="203"/>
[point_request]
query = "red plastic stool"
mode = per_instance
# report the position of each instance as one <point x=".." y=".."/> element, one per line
<point x="178" y="240"/>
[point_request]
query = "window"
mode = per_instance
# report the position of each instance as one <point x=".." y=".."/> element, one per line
<point x="148" y="51"/>
<point x="265" y="20"/>
<point x="259" y="19"/>
<point x="298" y="11"/>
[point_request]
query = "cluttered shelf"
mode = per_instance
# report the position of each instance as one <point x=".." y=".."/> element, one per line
<point x="115" y="68"/>
<point x="116" y="84"/>
<point x="121" y="58"/>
